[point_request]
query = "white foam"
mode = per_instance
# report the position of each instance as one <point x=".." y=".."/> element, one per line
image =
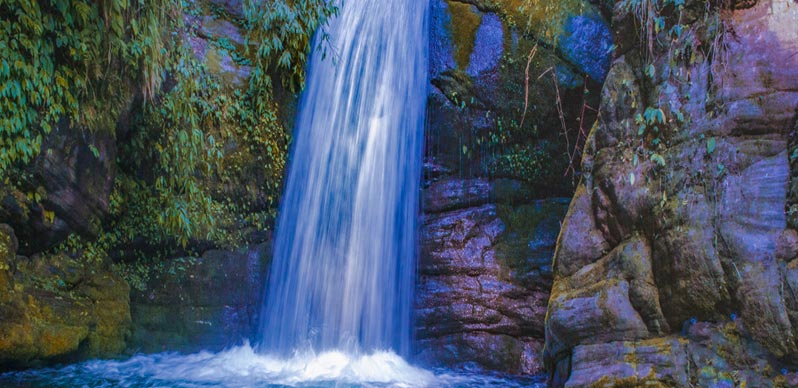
<point x="243" y="367"/>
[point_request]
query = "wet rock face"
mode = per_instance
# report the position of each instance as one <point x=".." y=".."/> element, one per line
<point x="484" y="275"/>
<point x="205" y="303"/>
<point x="56" y="309"/>
<point x="681" y="271"/>
<point x="486" y="242"/>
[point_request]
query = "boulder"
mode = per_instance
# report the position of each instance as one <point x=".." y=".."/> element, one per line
<point x="66" y="189"/>
<point x="54" y="308"/>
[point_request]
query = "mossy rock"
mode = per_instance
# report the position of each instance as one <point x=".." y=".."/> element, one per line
<point x="55" y="308"/>
<point x="464" y="30"/>
<point x="493" y="111"/>
<point x="528" y="241"/>
<point x="8" y="250"/>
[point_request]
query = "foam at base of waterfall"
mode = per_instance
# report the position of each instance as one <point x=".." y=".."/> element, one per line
<point x="242" y="366"/>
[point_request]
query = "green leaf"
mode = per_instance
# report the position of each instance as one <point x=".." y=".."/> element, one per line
<point x="679" y="116"/>
<point x="657" y="158"/>
<point x="651" y="71"/>
<point x="710" y="145"/>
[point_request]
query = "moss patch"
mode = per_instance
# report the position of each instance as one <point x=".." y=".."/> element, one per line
<point x="465" y="23"/>
<point x="531" y="230"/>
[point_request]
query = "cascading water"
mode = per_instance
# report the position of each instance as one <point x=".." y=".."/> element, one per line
<point x="338" y="302"/>
<point x="343" y="269"/>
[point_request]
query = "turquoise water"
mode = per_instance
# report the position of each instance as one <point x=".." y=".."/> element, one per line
<point x="243" y="367"/>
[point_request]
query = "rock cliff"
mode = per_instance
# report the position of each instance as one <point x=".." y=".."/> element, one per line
<point x="484" y="276"/>
<point x="60" y="300"/>
<point x="676" y="265"/>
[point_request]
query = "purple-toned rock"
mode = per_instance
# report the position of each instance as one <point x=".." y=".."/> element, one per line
<point x="676" y="264"/>
<point x="484" y="276"/>
<point x="453" y="194"/>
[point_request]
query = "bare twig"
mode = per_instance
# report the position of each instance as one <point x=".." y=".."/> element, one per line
<point x="526" y="82"/>
<point x="545" y="72"/>
<point x="581" y="135"/>
<point x="560" y="113"/>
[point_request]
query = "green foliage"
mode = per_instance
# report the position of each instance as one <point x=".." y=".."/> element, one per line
<point x="283" y="30"/>
<point x="669" y="43"/>
<point x="206" y="161"/>
<point x="650" y="120"/>
<point x="198" y="160"/>
<point x="216" y="157"/>
<point x="710" y="145"/>
<point x="173" y="146"/>
<point x="652" y="16"/>
<point x="139" y="273"/>
<point x="536" y="163"/>
<point x="65" y="60"/>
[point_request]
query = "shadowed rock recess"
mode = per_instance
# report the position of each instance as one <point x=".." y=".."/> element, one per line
<point x="206" y="303"/>
<point x="677" y="264"/>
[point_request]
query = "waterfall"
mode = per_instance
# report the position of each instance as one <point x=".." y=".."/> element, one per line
<point x="342" y="275"/>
